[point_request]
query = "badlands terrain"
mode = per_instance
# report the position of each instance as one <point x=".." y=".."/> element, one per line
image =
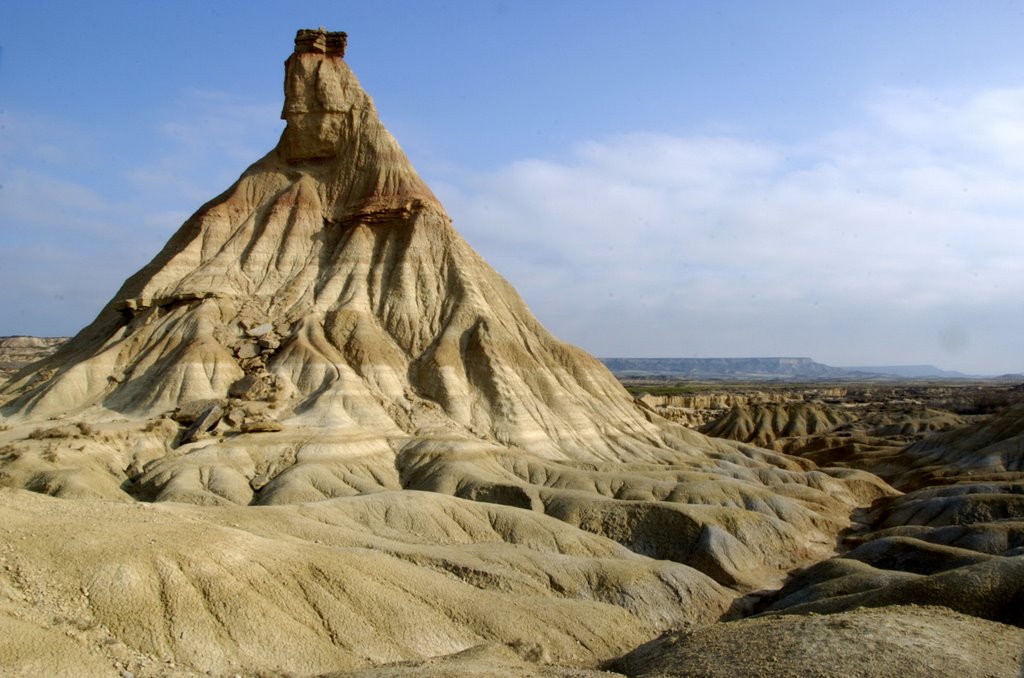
<point x="318" y="435"/>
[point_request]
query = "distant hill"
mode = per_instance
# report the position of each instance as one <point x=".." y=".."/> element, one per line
<point x="726" y="368"/>
<point x="912" y="371"/>
<point x="769" y="369"/>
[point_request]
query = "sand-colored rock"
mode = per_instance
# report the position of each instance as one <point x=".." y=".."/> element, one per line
<point x="814" y="429"/>
<point x="20" y="351"/>
<point x="483" y="661"/>
<point x="992" y="449"/>
<point x="953" y="541"/>
<point x="890" y="642"/>
<point x="989" y="590"/>
<point x="763" y="423"/>
<point x="866" y="436"/>
<point x="325" y="586"/>
<point x="317" y="432"/>
<point x="393" y="325"/>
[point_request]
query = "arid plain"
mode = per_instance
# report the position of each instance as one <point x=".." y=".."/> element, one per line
<point x="318" y="435"/>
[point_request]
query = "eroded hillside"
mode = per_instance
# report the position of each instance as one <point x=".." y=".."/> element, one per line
<point x="318" y="434"/>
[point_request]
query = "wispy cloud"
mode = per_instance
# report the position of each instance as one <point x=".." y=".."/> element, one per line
<point x="894" y="239"/>
<point x="74" y="225"/>
<point x="875" y="242"/>
<point x="207" y="141"/>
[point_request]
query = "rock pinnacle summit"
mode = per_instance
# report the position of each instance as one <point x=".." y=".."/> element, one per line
<point x="377" y="319"/>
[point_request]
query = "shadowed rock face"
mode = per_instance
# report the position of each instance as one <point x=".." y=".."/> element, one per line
<point x="955" y="539"/>
<point x="320" y="333"/>
<point x="888" y="643"/>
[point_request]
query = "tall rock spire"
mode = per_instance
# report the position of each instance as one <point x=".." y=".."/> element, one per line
<point x="334" y="133"/>
<point x="381" y="318"/>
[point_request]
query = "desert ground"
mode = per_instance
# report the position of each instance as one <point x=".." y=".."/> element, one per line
<point x="925" y="576"/>
<point x="318" y="435"/>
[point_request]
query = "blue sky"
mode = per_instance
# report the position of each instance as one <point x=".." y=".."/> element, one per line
<point x="840" y="180"/>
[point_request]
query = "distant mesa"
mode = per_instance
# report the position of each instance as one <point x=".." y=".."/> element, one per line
<point x="912" y="371"/>
<point x="724" y="368"/>
<point x="769" y="369"/>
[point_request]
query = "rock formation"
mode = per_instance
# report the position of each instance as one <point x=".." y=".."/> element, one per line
<point x="320" y="333"/>
<point x="328" y="282"/>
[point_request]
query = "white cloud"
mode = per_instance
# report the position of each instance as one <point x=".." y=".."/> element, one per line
<point x="74" y="225"/>
<point x="208" y="141"/>
<point x="895" y="239"/>
<point x="904" y="225"/>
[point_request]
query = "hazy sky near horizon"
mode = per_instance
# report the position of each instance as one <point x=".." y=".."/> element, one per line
<point x="839" y="180"/>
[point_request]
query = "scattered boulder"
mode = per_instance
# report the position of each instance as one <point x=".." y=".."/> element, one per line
<point x="235" y="417"/>
<point x="187" y="413"/>
<point x="260" y="330"/>
<point x="261" y="427"/>
<point x="203" y="423"/>
<point x="247" y="349"/>
<point x="258" y="385"/>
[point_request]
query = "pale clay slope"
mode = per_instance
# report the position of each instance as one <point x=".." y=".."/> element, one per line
<point x="326" y="586"/>
<point x="955" y="539"/>
<point x="818" y="430"/>
<point x="356" y="347"/>
<point x="892" y="643"/>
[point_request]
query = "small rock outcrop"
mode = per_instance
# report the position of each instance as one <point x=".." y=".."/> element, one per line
<point x="20" y="351"/>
